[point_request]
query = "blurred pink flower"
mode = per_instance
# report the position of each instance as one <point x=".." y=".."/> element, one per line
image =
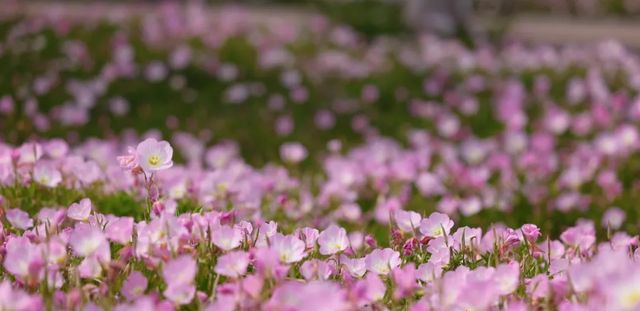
<point x="179" y="275"/>
<point x="232" y="264"/>
<point x="293" y="152"/>
<point x="333" y="240"/>
<point x="134" y="286"/>
<point x="80" y="211"/>
<point x="19" y="218"/>
<point x="86" y="240"/>
<point x="312" y="296"/>
<point x="46" y="174"/>
<point x="382" y="261"/>
<point x="24" y="259"/>
<point x="226" y="238"/>
<point x="437" y="224"/>
<point x="407" y="221"/>
<point x="289" y="248"/>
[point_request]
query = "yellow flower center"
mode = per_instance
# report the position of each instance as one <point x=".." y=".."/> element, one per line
<point x="631" y="299"/>
<point x="437" y="232"/>
<point x="154" y="160"/>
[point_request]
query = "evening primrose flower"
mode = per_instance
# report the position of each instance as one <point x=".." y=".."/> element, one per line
<point x="407" y="221"/>
<point x="355" y="266"/>
<point x="23" y="259"/>
<point x="233" y="264"/>
<point x="134" y="286"/>
<point x="293" y="152"/>
<point x="180" y="271"/>
<point x="226" y="238"/>
<point x="382" y="261"/>
<point x="86" y="240"/>
<point x="436" y="225"/>
<point x="153" y="155"/>
<point x="128" y="161"/>
<point x="119" y="229"/>
<point x="623" y="292"/>
<point x="290" y="249"/>
<point x="19" y="219"/>
<point x="80" y="211"/>
<point x="312" y="296"/>
<point x="46" y="174"/>
<point x="368" y="290"/>
<point x="12" y="298"/>
<point x="613" y="218"/>
<point x="332" y="240"/>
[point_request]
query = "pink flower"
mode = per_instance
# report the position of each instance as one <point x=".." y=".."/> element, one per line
<point x="56" y="251"/>
<point x="405" y="280"/>
<point x="87" y="240"/>
<point x="333" y="240"/>
<point x="507" y="278"/>
<point x="290" y="249"/>
<point x="427" y="272"/>
<point x="179" y="275"/>
<point x="407" y="221"/>
<point x="233" y="264"/>
<point x="267" y="263"/>
<point x="23" y="259"/>
<point x="46" y="174"/>
<point x="470" y="236"/>
<point x="382" y="261"/>
<point x="437" y="224"/>
<point x="50" y="216"/>
<point x="181" y="270"/>
<point x="180" y="294"/>
<point x="252" y="285"/>
<point x="130" y="160"/>
<point x="134" y="286"/>
<point x="80" y="211"/>
<point x="309" y="236"/>
<point x="293" y="152"/>
<point x="16" y="299"/>
<point x="582" y="236"/>
<point x="313" y="296"/>
<point x="316" y="269"/>
<point x="368" y="290"/>
<point x="226" y="238"/>
<point x="29" y="153"/>
<point x="19" y="219"/>
<point x="623" y="291"/>
<point x="538" y="286"/>
<point x="440" y="251"/>
<point x="120" y="229"/>
<point x="531" y="232"/>
<point x="90" y="268"/>
<point x="613" y="218"/>
<point x="56" y="148"/>
<point x="429" y="185"/>
<point x="154" y="155"/>
<point x="355" y="266"/>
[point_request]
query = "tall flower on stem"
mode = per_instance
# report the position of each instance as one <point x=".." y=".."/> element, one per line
<point x="149" y="157"/>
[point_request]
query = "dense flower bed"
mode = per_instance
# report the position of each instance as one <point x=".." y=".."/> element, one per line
<point x="231" y="255"/>
<point x="307" y="169"/>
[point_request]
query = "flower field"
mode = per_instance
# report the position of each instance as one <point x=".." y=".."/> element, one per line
<point x="177" y="162"/>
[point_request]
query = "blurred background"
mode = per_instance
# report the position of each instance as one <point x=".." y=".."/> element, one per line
<point x="210" y="53"/>
<point x="460" y="78"/>
<point x="552" y="20"/>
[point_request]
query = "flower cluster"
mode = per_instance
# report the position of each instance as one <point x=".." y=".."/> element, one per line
<point x="66" y="258"/>
<point x="230" y="259"/>
<point x="313" y="170"/>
